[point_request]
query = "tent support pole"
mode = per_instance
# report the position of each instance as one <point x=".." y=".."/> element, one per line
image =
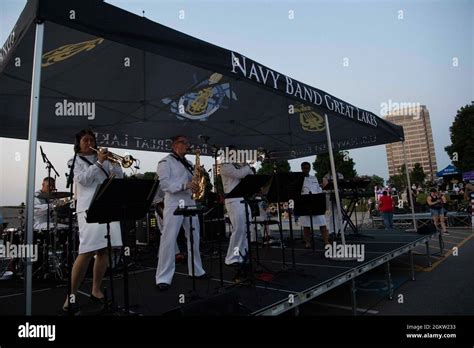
<point x="334" y="177"/>
<point x="33" y="137"/>
<point x="409" y="186"/>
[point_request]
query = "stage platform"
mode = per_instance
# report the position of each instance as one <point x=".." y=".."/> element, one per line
<point x="283" y="286"/>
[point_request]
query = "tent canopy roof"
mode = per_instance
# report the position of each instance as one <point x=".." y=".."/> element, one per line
<point x="449" y="170"/>
<point x="136" y="83"/>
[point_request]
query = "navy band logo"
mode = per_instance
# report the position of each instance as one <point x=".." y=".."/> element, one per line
<point x="202" y="101"/>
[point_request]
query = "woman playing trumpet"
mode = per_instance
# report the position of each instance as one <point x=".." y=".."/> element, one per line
<point x="90" y="170"/>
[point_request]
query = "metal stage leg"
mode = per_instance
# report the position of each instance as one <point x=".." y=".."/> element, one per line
<point x="412" y="266"/>
<point x="428" y="253"/>
<point x="33" y="137"/>
<point x="389" y="282"/>
<point x="353" y="296"/>
<point x="441" y="244"/>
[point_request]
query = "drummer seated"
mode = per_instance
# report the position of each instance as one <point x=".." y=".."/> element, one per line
<point x="41" y="205"/>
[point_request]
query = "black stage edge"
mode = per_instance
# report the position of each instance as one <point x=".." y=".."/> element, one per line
<point x="347" y="330"/>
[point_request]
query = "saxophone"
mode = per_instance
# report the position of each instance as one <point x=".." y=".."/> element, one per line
<point x="198" y="178"/>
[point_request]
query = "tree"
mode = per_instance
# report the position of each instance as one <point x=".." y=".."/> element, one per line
<point x="149" y="175"/>
<point x="344" y="165"/>
<point x="268" y="165"/>
<point x="209" y="186"/>
<point x="399" y="181"/>
<point x="376" y="181"/>
<point x="461" y="151"/>
<point x="417" y="175"/>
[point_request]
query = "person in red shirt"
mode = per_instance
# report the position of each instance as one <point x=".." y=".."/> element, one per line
<point x="386" y="208"/>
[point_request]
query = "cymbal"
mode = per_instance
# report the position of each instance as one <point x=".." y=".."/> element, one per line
<point x="54" y="195"/>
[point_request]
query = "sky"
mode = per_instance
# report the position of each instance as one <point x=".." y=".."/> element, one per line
<point x="368" y="53"/>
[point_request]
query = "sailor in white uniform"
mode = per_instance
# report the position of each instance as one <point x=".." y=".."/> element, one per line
<point x="334" y="219"/>
<point x="90" y="170"/>
<point x="175" y="174"/>
<point x="232" y="174"/>
<point x="158" y="201"/>
<point x="311" y="186"/>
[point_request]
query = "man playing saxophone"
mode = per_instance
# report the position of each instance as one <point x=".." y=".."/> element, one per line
<point x="176" y="181"/>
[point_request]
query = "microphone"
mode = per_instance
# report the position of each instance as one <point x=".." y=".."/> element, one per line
<point x="42" y="154"/>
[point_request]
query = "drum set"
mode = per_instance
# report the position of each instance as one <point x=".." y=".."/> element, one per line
<point x="50" y="239"/>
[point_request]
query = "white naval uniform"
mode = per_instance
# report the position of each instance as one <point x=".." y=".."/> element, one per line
<point x="40" y="217"/>
<point x="173" y="178"/>
<point x="41" y="213"/>
<point x="311" y="186"/>
<point x="231" y="176"/>
<point x="333" y="212"/>
<point x="87" y="178"/>
<point x="159" y="198"/>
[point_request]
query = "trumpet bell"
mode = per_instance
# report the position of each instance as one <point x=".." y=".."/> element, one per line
<point x="124" y="161"/>
<point x="127" y="161"/>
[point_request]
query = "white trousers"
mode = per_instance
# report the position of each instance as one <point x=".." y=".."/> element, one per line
<point x="335" y="220"/>
<point x="238" y="240"/>
<point x="169" y="234"/>
<point x="159" y="222"/>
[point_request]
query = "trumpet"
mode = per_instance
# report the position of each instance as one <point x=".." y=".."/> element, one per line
<point x="124" y="161"/>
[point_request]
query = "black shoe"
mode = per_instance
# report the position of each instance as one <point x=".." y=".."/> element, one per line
<point x="202" y="276"/>
<point x="74" y="309"/>
<point x="239" y="278"/>
<point x="162" y="286"/>
<point x="235" y="264"/>
<point x="97" y="300"/>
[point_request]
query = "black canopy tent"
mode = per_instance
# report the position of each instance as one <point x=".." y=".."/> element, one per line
<point x="136" y="82"/>
<point x="85" y="63"/>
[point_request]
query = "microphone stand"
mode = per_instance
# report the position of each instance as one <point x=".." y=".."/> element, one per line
<point x="70" y="181"/>
<point x="219" y="208"/>
<point x="49" y="167"/>
<point x="280" y="222"/>
<point x="220" y="213"/>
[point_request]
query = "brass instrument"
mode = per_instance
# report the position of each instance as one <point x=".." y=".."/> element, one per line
<point x="198" y="179"/>
<point x="124" y="161"/>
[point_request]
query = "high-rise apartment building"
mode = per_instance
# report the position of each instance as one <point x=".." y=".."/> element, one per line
<point x="418" y="141"/>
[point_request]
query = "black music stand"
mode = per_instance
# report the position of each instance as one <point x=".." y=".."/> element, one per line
<point x="109" y="204"/>
<point x="214" y="218"/>
<point x="191" y="211"/>
<point x="310" y="205"/>
<point x="285" y="187"/>
<point x="248" y="188"/>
